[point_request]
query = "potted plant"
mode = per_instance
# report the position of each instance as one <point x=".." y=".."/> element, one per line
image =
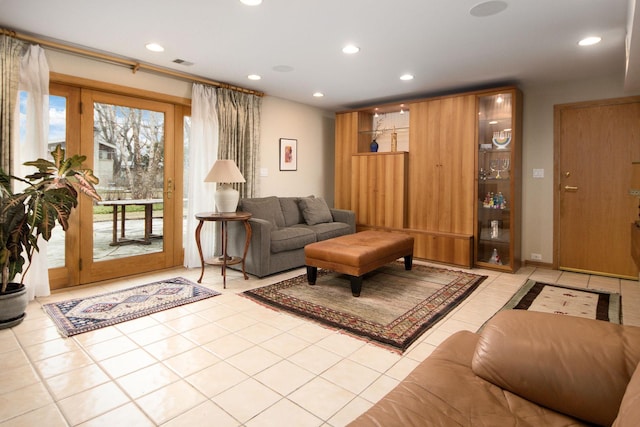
<point x="48" y="198"/>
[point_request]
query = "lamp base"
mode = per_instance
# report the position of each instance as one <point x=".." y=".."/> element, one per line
<point x="226" y="199"/>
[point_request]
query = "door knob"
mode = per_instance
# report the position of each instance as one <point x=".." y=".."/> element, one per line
<point x="570" y="188"/>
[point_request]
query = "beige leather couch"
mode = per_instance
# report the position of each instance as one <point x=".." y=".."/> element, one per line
<point x="523" y="369"/>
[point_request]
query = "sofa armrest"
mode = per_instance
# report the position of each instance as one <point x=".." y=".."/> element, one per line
<point x="346" y="216"/>
<point x="629" y="413"/>
<point x="576" y="366"/>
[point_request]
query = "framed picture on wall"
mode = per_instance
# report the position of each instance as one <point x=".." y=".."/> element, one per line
<point x="288" y="154"/>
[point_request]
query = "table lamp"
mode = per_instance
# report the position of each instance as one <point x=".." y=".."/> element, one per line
<point x="635" y="185"/>
<point x="224" y="172"/>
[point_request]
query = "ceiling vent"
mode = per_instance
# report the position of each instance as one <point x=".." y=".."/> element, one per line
<point x="183" y="62"/>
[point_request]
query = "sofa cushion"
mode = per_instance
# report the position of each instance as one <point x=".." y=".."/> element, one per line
<point x="291" y="211"/>
<point x="315" y="210"/>
<point x="267" y="208"/>
<point x="291" y="238"/>
<point x="629" y="412"/>
<point x="536" y="356"/>
<point x="328" y="230"/>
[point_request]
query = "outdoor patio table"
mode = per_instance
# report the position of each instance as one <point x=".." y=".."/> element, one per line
<point x="148" y="218"/>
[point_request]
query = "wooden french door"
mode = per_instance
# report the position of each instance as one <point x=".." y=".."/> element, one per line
<point x="130" y="144"/>
<point x="595" y="143"/>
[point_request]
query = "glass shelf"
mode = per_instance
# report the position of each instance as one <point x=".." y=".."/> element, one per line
<point x="385" y="131"/>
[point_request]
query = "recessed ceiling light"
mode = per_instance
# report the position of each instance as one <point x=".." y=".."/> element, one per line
<point x="588" y="41"/>
<point x="154" y="47"/>
<point x="488" y="8"/>
<point x="350" y="49"/>
<point x="253" y="77"/>
<point x="318" y="94"/>
<point x="406" y="77"/>
<point x="251" y="2"/>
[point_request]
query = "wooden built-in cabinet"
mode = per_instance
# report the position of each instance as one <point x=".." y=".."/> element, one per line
<point x="430" y="188"/>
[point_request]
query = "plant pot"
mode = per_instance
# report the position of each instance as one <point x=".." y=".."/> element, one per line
<point x="13" y="304"/>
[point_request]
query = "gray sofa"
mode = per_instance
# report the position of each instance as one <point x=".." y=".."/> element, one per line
<point x="280" y="229"/>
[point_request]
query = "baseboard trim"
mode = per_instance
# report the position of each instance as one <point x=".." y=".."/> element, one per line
<point x="538" y="264"/>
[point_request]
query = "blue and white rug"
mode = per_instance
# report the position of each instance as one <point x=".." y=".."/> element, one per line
<point x="80" y="315"/>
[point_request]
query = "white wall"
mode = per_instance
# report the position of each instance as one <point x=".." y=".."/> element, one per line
<point x="314" y="130"/>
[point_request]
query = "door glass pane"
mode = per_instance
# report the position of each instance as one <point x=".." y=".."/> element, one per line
<point x="129" y="161"/>
<point x="57" y="135"/>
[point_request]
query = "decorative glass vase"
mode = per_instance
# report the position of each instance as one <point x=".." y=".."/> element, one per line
<point x="374" y="146"/>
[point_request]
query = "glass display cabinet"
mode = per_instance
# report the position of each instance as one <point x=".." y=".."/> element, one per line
<point x="499" y="172"/>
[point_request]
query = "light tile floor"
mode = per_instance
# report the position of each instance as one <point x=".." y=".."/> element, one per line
<point x="226" y="361"/>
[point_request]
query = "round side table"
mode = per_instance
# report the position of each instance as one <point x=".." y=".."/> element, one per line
<point x="225" y="259"/>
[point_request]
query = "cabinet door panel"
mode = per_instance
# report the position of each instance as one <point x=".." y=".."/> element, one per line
<point x="456" y="250"/>
<point x="442" y="150"/>
<point x="457" y="160"/>
<point x="423" y="156"/>
<point x="378" y="189"/>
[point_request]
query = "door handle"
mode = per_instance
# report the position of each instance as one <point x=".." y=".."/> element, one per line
<point x="169" y="188"/>
<point x="570" y="188"/>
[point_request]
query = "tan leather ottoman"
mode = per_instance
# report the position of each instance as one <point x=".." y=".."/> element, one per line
<point x="357" y="254"/>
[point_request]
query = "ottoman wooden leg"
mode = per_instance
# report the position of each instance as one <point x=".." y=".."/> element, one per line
<point x="408" y="262"/>
<point x="312" y="274"/>
<point x="356" y="285"/>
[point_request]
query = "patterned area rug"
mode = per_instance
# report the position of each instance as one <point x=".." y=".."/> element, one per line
<point x="87" y="314"/>
<point x="548" y="298"/>
<point x="396" y="306"/>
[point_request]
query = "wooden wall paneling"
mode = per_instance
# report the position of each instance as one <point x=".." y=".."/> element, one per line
<point x="346" y="144"/>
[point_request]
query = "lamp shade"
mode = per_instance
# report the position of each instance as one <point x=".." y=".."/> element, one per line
<point x="226" y="197"/>
<point x="634" y="189"/>
<point x="224" y="171"/>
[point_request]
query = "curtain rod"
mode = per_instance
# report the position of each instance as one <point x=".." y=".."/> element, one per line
<point x="134" y="65"/>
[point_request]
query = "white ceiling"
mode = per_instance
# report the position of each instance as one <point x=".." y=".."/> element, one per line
<point x="439" y="41"/>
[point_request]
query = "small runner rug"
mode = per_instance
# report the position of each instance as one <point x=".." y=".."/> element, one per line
<point x="395" y="307"/>
<point x="559" y="299"/>
<point x="76" y="316"/>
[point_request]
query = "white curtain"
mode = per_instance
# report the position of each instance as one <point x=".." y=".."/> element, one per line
<point x="203" y="152"/>
<point x="34" y="79"/>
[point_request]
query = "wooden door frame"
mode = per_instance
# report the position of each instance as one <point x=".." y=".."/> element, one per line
<point x="69" y="275"/>
<point x="557" y="191"/>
